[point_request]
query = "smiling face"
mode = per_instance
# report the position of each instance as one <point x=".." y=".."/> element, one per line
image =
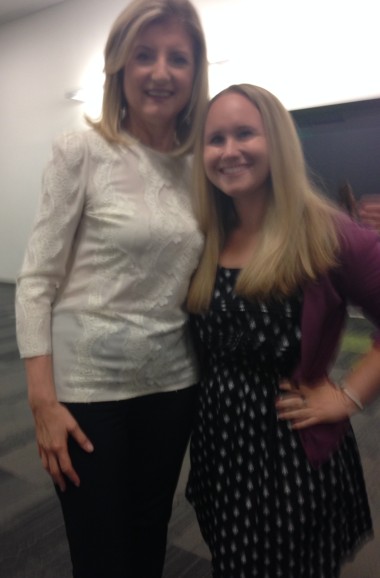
<point x="158" y="77"/>
<point x="235" y="154"/>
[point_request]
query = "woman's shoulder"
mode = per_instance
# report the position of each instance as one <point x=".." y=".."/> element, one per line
<point x="74" y="145"/>
<point x="358" y="259"/>
<point x="70" y="145"/>
<point x="355" y="237"/>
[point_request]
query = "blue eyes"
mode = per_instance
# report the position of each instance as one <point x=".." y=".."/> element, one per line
<point x="215" y="140"/>
<point x="180" y="60"/>
<point x="245" y="133"/>
<point x="240" y="135"/>
<point x="142" y="57"/>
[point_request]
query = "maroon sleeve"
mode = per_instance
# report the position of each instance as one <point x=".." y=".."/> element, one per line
<point x="359" y="269"/>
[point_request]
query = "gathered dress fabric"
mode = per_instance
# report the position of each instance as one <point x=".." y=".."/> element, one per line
<point x="263" y="509"/>
<point x="102" y="290"/>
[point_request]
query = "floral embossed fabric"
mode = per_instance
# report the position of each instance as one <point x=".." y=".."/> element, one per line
<point x="107" y="269"/>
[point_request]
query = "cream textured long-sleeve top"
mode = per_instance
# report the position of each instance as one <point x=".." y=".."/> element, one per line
<point x="107" y="270"/>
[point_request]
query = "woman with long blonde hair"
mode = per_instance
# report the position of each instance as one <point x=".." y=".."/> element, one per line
<point x="276" y="479"/>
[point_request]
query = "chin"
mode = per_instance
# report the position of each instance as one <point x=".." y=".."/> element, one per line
<point x="236" y="193"/>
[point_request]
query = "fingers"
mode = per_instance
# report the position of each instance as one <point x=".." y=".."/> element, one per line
<point x="64" y="470"/>
<point x="53" y="427"/>
<point x="52" y="467"/>
<point x="303" y="423"/>
<point x="58" y="465"/>
<point x="293" y="398"/>
<point x="304" y="406"/>
<point x="292" y="407"/>
<point x="288" y="404"/>
<point x="80" y="437"/>
<point x="286" y="386"/>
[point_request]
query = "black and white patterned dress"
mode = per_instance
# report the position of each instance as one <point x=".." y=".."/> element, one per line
<point x="263" y="511"/>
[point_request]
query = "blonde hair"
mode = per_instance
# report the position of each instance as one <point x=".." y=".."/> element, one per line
<point x="298" y="240"/>
<point x="138" y="15"/>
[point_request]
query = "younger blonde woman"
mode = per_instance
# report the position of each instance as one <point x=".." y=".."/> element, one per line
<point x="276" y="479"/>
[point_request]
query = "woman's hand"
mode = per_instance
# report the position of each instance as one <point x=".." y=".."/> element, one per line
<point x="54" y="424"/>
<point x="305" y="406"/>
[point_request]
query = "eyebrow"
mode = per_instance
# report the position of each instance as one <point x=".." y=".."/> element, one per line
<point x="180" y="50"/>
<point x="208" y="135"/>
<point x="139" y="46"/>
<point x="239" y="127"/>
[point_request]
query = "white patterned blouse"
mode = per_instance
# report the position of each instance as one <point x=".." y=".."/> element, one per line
<point x="107" y="270"/>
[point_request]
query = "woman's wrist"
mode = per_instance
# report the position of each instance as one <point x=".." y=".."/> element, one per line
<point x="352" y="397"/>
<point x="41" y="389"/>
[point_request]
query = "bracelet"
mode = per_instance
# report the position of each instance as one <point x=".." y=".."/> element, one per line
<point x="352" y="396"/>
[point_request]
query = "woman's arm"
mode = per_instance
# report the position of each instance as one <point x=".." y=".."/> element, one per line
<point x="53" y="422"/>
<point x="49" y="248"/>
<point x="327" y="402"/>
<point x="359" y="282"/>
<point x="43" y="271"/>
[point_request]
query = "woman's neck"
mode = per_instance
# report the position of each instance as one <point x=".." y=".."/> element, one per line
<point x="161" y="138"/>
<point x="251" y="210"/>
<point x="242" y="239"/>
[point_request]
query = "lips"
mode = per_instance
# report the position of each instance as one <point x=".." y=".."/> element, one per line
<point x="234" y="170"/>
<point x="157" y="93"/>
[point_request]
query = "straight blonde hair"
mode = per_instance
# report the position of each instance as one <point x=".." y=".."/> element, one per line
<point x="138" y="15"/>
<point x="298" y="240"/>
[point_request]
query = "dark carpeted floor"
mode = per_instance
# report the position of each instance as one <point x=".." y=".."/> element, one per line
<point x="32" y="537"/>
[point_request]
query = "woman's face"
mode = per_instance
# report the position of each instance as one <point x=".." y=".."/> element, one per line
<point x="158" y="78"/>
<point x="235" y="154"/>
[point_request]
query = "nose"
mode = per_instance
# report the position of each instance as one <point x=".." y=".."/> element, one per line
<point x="160" y="69"/>
<point x="230" y="148"/>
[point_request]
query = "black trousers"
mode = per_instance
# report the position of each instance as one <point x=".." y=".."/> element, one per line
<point x="116" y="521"/>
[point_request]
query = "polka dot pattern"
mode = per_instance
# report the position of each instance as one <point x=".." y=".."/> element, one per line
<point x="263" y="511"/>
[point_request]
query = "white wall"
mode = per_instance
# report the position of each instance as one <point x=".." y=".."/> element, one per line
<point x="307" y="52"/>
<point x="41" y="58"/>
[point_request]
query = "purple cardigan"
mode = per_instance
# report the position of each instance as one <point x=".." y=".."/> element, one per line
<point x="356" y="280"/>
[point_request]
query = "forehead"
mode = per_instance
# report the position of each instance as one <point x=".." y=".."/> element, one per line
<point x="232" y="109"/>
<point x="168" y="31"/>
